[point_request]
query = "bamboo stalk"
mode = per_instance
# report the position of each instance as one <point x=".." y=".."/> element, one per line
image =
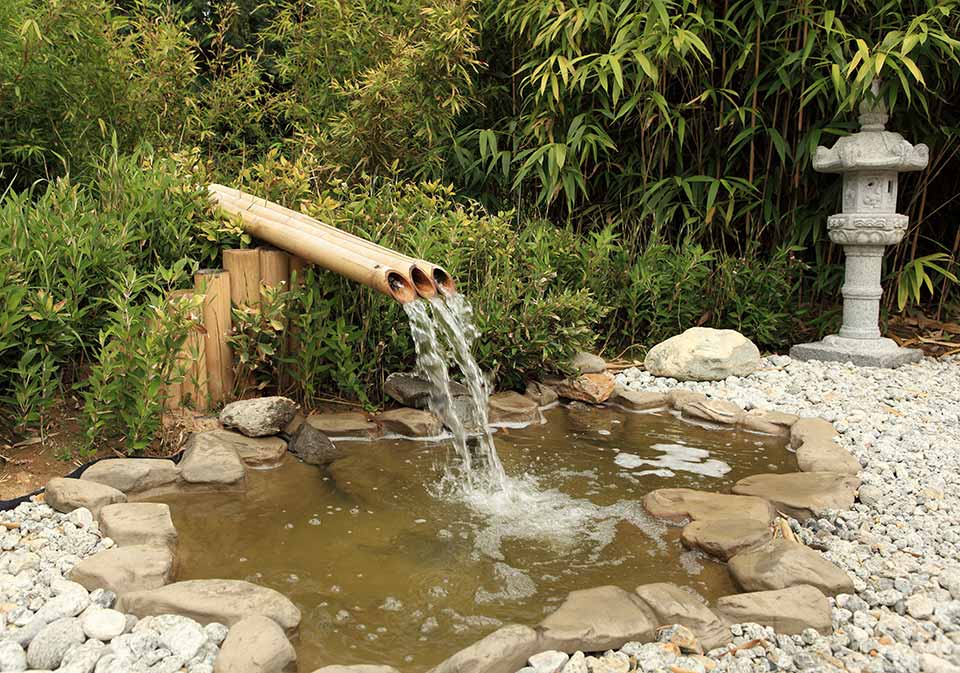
<point x="244" y="269"/>
<point x="214" y="284"/>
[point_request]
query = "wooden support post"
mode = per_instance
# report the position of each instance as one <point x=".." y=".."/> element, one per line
<point x="214" y="284"/>
<point x="244" y="269"/>
<point x="274" y="267"/>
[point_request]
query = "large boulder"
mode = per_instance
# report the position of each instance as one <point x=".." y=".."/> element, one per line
<point x="802" y="495"/>
<point x="65" y="495"/>
<point x="680" y="504"/>
<point x="133" y="475"/>
<point x="313" y="447"/>
<point x="504" y="651"/>
<point x="206" y="601"/>
<point x="345" y="424"/>
<point x="593" y="620"/>
<point x="259" y="417"/>
<point x="414" y="391"/>
<point x="408" y="422"/>
<point x="725" y="538"/>
<point x="510" y="408"/>
<point x="211" y="462"/>
<point x="256" y="644"/>
<point x="125" y="569"/>
<point x="671" y="604"/>
<point x="781" y="563"/>
<point x="139" y="523"/>
<point x="703" y="354"/>
<point x="592" y="388"/>
<point x="790" y="611"/>
<point x="253" y="451"/>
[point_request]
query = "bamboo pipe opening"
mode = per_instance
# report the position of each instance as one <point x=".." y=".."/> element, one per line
<point x="444" y="281"/>
<point x="422" y="281"/>
<point x="400" y="287"/>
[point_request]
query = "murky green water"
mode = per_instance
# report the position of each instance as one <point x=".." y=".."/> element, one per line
<point x="384" y="572"/>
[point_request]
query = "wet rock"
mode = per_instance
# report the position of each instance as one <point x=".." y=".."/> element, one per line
<point x="46" y="650"/>
<point x="256" y="644"/>
<point x="802" y="495"/>
<point x="503" y="651"/>
<point x="65" y="495"/>
<point x="253" y="451"/>
<point x="13" y="658"/>
<point x="259" y="417"/>
<point x="133" y="475"/>
<point x="768" y="422"/>
<point x="542" y="394"/>
<point x="346" y="424"/>
<point x="313" y="447"/>
<point x="703" y="354"/>
<point x="680" y="397"/>
<point x="139" y="523"/>
<point x="408" y="422"/>
<point x="103" y="624"/>
<point x="414" y="391"/>
<point x="637" y="400"/>
<point x="510" y="408"/>
<point x="357" y="668"/>
<point x="125" y="569"/>
<point x="592" y="388"/>
<point x="597" y="619"/>
<point x="715" y="411"/>
<point x="671" y="604"/>
<point x="789" y="611"/>
<point x="680" y="504"/>
<point x="781" y="563"/>
<point x="223" y="601"/>
<point x="588" y="363"/>
<point x="725" y="538"/>
<point x="210" y="462"/>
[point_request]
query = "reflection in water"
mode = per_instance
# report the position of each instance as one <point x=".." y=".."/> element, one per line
<point x="386" y="573"/>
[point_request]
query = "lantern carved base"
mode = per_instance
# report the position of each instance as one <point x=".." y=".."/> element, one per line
<point x="879" y="352"/>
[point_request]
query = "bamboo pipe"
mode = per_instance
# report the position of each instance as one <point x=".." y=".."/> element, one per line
<point x="327" y="254"/>
<point x="426" y="271"/>
<point x="214" y="284"/>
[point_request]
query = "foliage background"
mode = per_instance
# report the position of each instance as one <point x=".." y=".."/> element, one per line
<point x="595" y="174"/>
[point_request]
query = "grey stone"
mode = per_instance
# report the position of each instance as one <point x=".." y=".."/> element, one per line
<point x="256" y="644"/>
<point x="597" y="619"/>
<point x="139" y="523"/>
<point x="83" y="658"/>
<point x="414" y="391"/>
<point x="577" y="664"/>
<point x="259" y="417"/>
<point x="210" y="462"/>
<point x="253" y="451"/>
<point x="181" y="635"/>
<point x="780" y="564"/>
<point x="67" y="603"/>
<point x="313" y="447"/>
<point x="65" y="495"/>
<point x="124" y="569"/>
<point x="550" y="661"/>
<point x="357" y="668"/>
<point x="13" y="658"/>
<point x="542" y="394"/>
<point x="879" y="352"/>
<point x="588" y="363"/>
<point x="789" y="611"/>
<point x="103" y="623"/>
<point x="703" y="354"/>
<point x="133" y="475"/>
<point x="46" y="650"/>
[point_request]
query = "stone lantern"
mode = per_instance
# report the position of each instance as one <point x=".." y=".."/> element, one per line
<point x="869" y="162"/>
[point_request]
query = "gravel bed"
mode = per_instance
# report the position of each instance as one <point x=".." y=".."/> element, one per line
<point x="48" y="623"/>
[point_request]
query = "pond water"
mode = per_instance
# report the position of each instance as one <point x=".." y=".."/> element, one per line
<point x="386" y="572"/>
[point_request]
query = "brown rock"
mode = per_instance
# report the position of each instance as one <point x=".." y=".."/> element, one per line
<point x="826" y="456"/>
<point x="253" y="451"/>
<point x="593" y="620"/>
<point x="780" y="564"/>
<point x="802" y="494"/>
<point x="139" y="523"/>
<point x="768" y="422"/>
<point x="541" y="393"/>
<point x="224" y="601"/>
<point x="637" y="400"/>
<point x="680" y="397"/>
<point x="133" y="475"/>
<point x="671" y="604"/>
<point x="211" y="462"/>
<point x="412" y="390"/>
<point x="65" y="495"/>
<point x="408" y="422"/>
<point x="715" y="411"/>
<point x="510" y="408"/>
<point x="346" y="424"/>
<point x="125" y="569"/>
<point x="504" y="651"/>
<point x="680" y="504"/>
<point x="592" y="388"/>
<point x="725" y="538"/>
<point x="357" y="668"/>
<point x="588" y="363"/>
<point x="788" y="611"/>
<point x="807" y="429"/>
<point x="256" y="644"/>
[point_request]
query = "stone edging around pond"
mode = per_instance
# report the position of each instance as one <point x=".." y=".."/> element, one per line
<point x="786" y="583"/>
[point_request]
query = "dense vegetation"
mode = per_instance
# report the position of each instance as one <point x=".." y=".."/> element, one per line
<point x="595" y="174"/>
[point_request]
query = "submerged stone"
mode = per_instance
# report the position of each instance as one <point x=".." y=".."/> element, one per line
<point x="313" y="447"/>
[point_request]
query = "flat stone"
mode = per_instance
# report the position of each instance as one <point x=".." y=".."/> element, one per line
<point x="206" y="601"/>
<point x="408" y="422"/>
<point x="125" y="569"/>
<point x="592" y="388"/>
<point x="65" y="495"/>
<point x="542" y="394"/>
<point x="133" y="475"/>
<point x="802" y="495"/>
<point x="592" y="620"/>
<point x="671" y="604"/>
<point x="811" y="429"/>
<point x="703" y="354"/>
<point x="881" y="352"/>
<point x="259" y="417"/>
<point x="725" y="538"/>
<point x="588" y="363"/>
<point x="414" y="391"/>
<point x="357" y="668"/>
<point x="715" y="411"/>
<point x="503" y="651"/>
<point x="510" y="408"/>
<point x="313" y="447"/>
<point x="253" y="451"/>
<point x="211" y="463"/>
<point x="637" y="400"/>
<point x="826" y="456"/>
<point x="790" y="611"/>
<point x="768" y="422"/>
<point x="781" y="563"/>
<point x="680" y="504"/>
<point x="681" y="397"/>
<point x="46" y="650"/>
<point x="139" y="523"/>
<point x="345" y="424"/>
<point x="256" y="644"/>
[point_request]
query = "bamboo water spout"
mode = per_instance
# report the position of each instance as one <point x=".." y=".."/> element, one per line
<point x="324" y="252"/>
<point x="426" y="276"/>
